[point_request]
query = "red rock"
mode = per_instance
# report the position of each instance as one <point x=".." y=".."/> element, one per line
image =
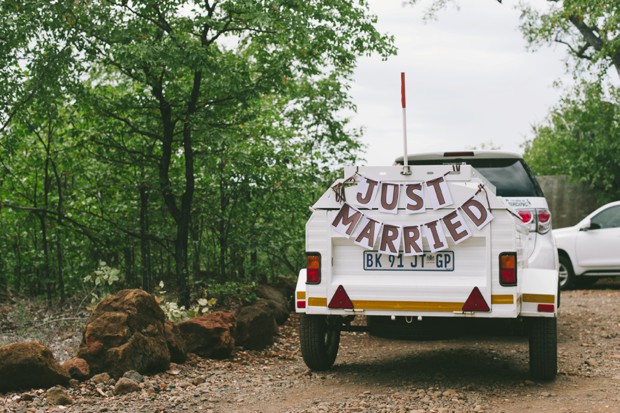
<point x="175" y="342"/>
<point x="125" y="385"/>
<point x="126" y="332"/>
<point x="58" y="396"/>
<point x="29" y="365"/>
<point x="210" y="335"/>
<point x="256" y="326"/>
<point x="77" y="368"/>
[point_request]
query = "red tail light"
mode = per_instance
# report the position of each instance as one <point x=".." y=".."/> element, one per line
<point x="527" y="215"/>
<point x="508" y="269"/>
<point x="546" y="308"/>
<point x="538" y="220"/>
<point x="313" y="268"/>
<point x="544" y="221"/>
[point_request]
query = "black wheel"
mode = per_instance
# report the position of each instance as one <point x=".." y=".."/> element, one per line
<point x="320" y="338"/>
<point x="566" y="274"/>
<point x="543" y="348"/>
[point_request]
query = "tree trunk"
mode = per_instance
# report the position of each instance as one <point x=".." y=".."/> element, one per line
<point x="44" y="240"/>
<point x="145" y="245"/>
<point x="59" y="254"/>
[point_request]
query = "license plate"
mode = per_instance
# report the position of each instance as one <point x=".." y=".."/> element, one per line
<point x="437" y="261"/>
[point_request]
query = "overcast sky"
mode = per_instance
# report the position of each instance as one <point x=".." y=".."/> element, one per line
<point x="470" y="80"/>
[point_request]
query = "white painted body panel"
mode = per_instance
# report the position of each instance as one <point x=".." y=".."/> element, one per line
<point x="422" y="293"/>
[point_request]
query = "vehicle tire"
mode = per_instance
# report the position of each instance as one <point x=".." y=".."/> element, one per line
<point x="566" y="274"/>
<point x="320" y="338"/>
<point x="543" y="347"/>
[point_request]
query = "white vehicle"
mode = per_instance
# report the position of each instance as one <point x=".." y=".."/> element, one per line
<point x="436" y="248"/>
<point x="589" y="250"/>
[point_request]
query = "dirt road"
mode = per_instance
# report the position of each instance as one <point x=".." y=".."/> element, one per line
<point x="379" y="375"/>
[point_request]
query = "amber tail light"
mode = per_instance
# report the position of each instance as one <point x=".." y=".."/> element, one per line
<point x="508" y="269"/>
<point x="313" y="268"/>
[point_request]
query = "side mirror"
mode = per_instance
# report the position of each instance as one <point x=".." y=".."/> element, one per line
<point x="588" y="225"/>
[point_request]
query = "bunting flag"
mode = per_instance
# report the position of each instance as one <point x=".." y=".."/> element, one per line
<point x="390" y="193"/>
<point x="366" y="192"/>
<point x="392" y="239"/>
<point x="369" y="232"/>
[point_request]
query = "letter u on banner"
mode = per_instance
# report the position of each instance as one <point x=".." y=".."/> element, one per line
<point x="388" y="201"/>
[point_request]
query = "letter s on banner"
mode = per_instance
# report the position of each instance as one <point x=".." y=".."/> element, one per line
<point x="414" y="194"/>
<point x="346" y="220"/>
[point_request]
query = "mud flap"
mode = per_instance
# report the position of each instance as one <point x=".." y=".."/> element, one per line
<point x="300" y="292"/>
<point x="539" y="290"/>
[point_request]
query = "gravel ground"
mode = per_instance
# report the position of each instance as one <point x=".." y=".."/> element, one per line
<point x="379" y="375"/>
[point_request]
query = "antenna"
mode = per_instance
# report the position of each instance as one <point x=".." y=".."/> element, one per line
<point x="406" y="170"/>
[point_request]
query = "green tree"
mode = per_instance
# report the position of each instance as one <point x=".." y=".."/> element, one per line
<point x="589" y="29"/>
<point x="230" y="102"/>
<point x="581" y="139"/>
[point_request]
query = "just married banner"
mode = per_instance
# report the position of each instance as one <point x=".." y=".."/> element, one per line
<point x="418" y="197"/>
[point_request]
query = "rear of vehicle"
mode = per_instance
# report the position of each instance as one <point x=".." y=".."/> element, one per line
<point x="515" y="183"/>
<point x="483" y="276"/>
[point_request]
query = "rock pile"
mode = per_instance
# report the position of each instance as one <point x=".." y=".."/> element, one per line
<point x="128" y="332"/>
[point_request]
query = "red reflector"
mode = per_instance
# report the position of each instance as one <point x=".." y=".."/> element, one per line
<point x="543" y="215"/>
<point x="546" y="308"/>
<point x="313" y="276"/>
<point x="301" y="304"/>
<point x="475" y="302"/>
<point x="526" y="215"/>
<point x="508" y="277"/>
<point x="340" y="299"/>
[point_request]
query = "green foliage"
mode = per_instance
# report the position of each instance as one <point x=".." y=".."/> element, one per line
<point x="240" y="292"/>
<point x="102" y="281"/>
<point x="175" y="140"/>
<point x="581" y="139"/>
<point x="177" y="313"/>
<point x="590" y="30"/>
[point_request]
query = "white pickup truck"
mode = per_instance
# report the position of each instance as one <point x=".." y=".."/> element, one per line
<point x="433" y="248"/>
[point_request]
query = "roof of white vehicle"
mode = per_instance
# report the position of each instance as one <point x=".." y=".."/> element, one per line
<point x="461" y="155"/>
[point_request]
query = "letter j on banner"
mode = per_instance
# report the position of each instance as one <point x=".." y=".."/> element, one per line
<point x="366" y="192"/>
